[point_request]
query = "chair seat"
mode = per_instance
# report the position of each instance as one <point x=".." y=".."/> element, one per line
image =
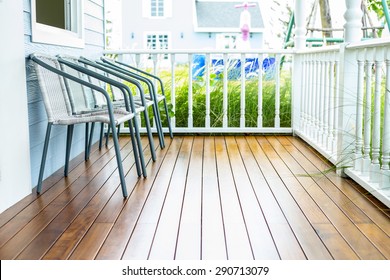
<point x="120" y="116"/>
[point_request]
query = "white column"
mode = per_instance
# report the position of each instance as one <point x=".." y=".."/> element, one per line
<point x="300" y="24"/>
<point x="300" y="43"/>
<point x="353" y="18"/>
<point x="15" y="176"/>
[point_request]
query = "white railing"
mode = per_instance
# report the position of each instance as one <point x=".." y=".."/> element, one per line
<point x="340" y="101"/>
<point x="236" y="82"/>
<point x="345" y="110"/>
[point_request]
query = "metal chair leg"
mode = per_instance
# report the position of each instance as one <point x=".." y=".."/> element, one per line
<point x="101" y="136"/>
<point x="168" y="119"/>
<point x="88" y="150"/>
<point x="86" y="141"/>
<point x="150" y="136"/>
<point x="68" y="148"/>
<point x="108" y="135"/>
<point x="44" y="154"/>
<point x="119" y="161"/>
<point x="135" y="149"/>
<point x="138" y="138"/>
<point x="158" y="125"/>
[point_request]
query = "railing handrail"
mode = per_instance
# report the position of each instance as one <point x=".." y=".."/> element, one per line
<point x="373" y="43"/>
<point x="200" y="51"/>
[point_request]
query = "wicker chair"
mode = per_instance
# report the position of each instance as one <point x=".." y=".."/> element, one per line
<point x="112" y="73"/>
<point x="100" y="80"/>
<point x="59" y="110"/>
<point x="147" y="77"/>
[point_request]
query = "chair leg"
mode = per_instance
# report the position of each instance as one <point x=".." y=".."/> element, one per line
<point x="101" y="136"/>
<point x="168" y="119"/>
<point x="140" y="149"/>
<point x="88" y="151"/>
<point x="157" y="120"/>
<point x="150" y="136"/>
<point x="135" y="149"/>
<point x="108" y="134"/>
<point x="44" y="154"/>
<point x="119" y="160"/>
<point x="86" y="141"/>
<point x="68" y="148"/>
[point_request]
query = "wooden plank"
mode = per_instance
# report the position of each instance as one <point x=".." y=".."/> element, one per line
<point x="74" y="233"/>
<point x="355" y="238"/>
<point x="141" y="239"/>
<point x="260" y="237"/>
<point x="70" y="203"/>
<point x="306" y="201"/>
<point x="165" y="237"/>
<point x="213" y="233"/>
<point x="285" y="240"/>
<point x="116" y="242"/>
<point x="235" y="228"/>
<point x="50" y="191"/>
<point x="88" y="247"/>
<point x="189" y="237"/>
<point x="356" y="196"/>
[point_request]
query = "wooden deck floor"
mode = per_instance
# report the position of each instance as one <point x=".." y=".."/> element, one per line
<point x="254" y="197"/>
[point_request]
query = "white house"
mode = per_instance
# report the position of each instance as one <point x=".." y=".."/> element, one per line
<point x="194" y="24"/>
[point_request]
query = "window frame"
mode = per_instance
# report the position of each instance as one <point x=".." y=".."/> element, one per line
<point x="46" y="34"/>
<point x="157" y="34"/>
<point x="147" y="9"/>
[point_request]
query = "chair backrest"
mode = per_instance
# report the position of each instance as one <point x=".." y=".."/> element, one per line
<point x="81" y="98"/>
<point x="53" y="89"/>
<point x="99" y="99"/>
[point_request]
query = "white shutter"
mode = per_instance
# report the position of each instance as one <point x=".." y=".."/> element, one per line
<point x="146" y="8"/>
<point x="168" y="8"/>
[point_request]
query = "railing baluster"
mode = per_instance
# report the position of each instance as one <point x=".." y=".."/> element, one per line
<point x="277" y="91"/>
<point x="317" y="97"/>
<point x="303" y="95"/>
<point x="326" y="102"/>
<point x="359" y="112"/>
<point x="311" y="99"/>
<point x="376" y="129"/>
<point x="207" y="79"/>
<point x="190" y="117"/>
<point x="336" y="104"/>
<point x="173" y="88"/>
<point x="367" y="114"/>
<point x="225" y="91"/>
<point x="260" y="93"/>
<point x="137" y="60"/>
<point x="330" y="103"/>
<point x="242" y="97"/>
<point x="386" y="131"/>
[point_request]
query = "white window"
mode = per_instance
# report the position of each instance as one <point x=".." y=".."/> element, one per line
<point x="58" y="22"/>
<point x="157" y="8"/>
<point x="158" y="42"/>
<point x="226" y="41"/>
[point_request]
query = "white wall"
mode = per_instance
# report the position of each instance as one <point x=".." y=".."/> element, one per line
<point x="15" y="180"/>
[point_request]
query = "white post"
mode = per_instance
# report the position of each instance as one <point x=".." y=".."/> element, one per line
<point x="300" y="24"/>
<point x="190" y="110"/>
<point x="300" y="43"/>
<point x="353" y="18"/>
<point x="348" y="85"/>
<point x="173" y="89"/>
<point x="347" y="108"/>
<point x="386" y="129"/>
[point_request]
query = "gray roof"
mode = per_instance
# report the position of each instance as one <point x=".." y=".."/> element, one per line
<point x="214" y="16"/>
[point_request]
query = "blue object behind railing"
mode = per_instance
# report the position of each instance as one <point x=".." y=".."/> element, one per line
<point x="234" y="67"/>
